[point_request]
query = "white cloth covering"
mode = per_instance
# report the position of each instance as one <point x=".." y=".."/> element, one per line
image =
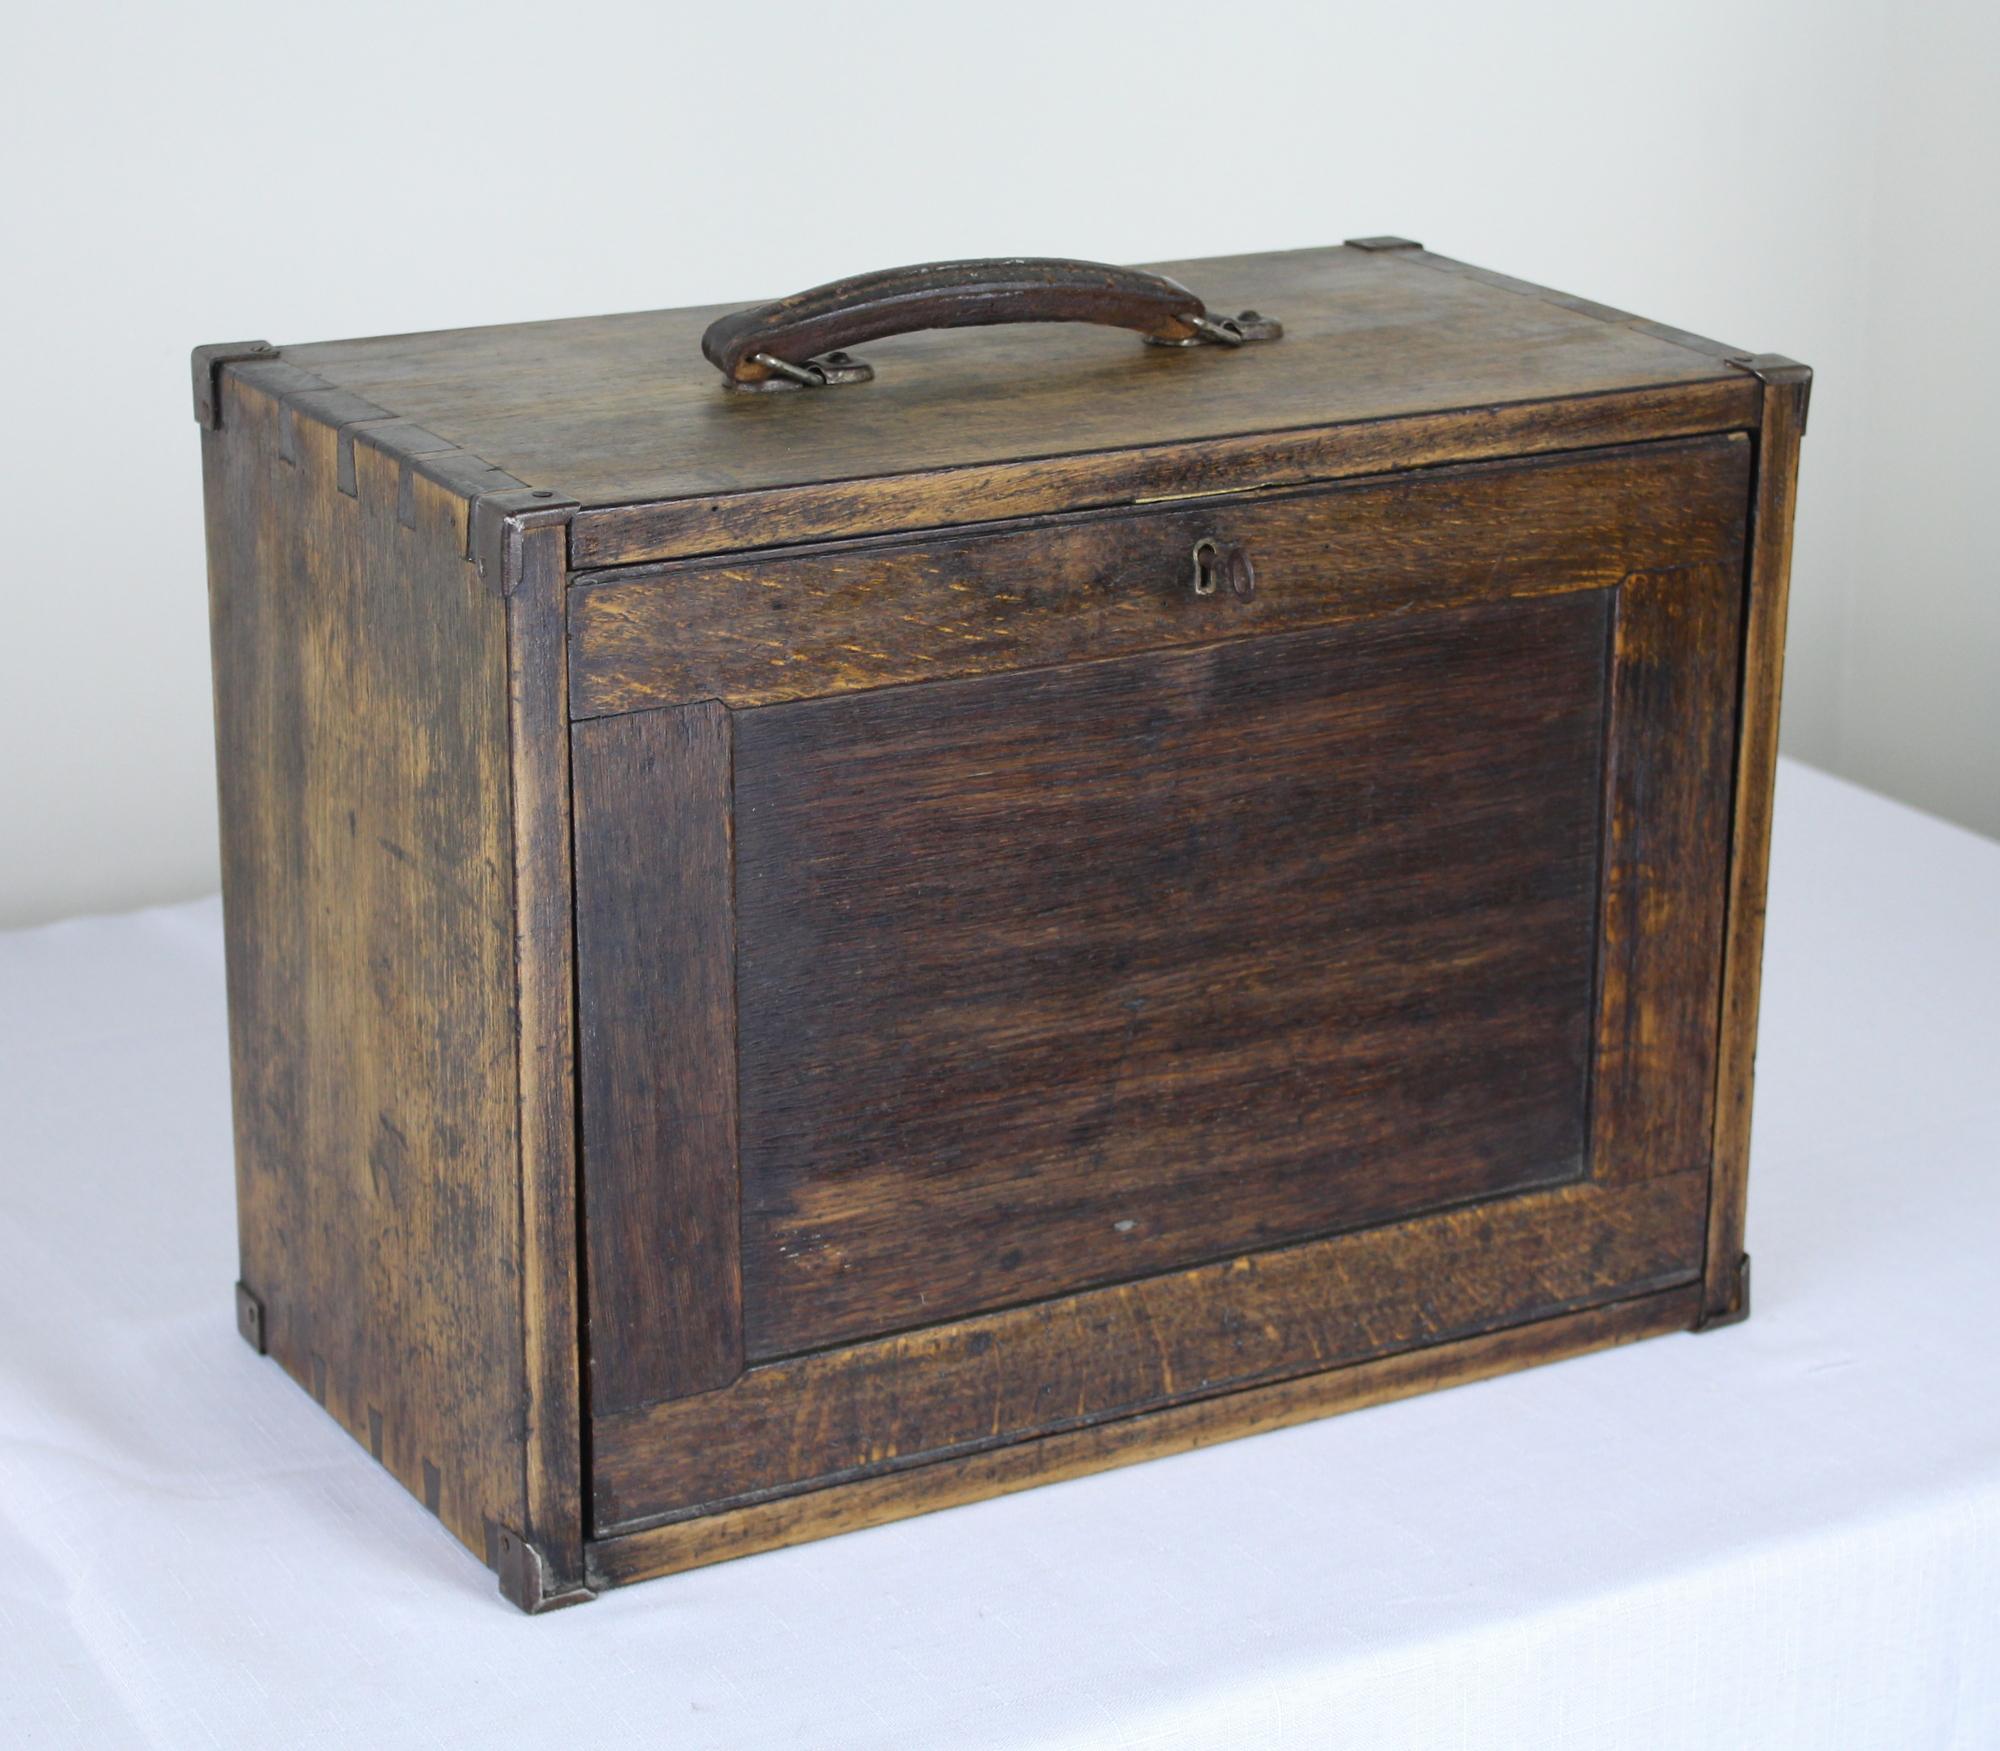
<point x="1783" y="1533"/>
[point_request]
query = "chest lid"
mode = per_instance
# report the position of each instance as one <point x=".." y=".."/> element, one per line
<point x="1391" y="357"/>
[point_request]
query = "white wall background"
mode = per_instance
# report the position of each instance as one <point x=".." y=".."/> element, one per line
<point x="1807" y="176"/>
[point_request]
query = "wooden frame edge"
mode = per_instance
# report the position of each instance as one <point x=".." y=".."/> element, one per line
<point x="525" y="539"/>
<point x="1786" y="387"/>
<point x="948" y="1483"/>
<point x="607" y="536"/>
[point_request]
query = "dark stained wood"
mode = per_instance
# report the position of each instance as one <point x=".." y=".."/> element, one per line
<point x="1674" y="669"/>
<point x="1787" y="386"/>
<point x="657" y="982"/>
<point x="1163" y="1014"/>
<point x="362" y="682"/>
<point x="1714" y="349"/>
<point x="1051" y="979"/>
<point x="940" y="498"/>
<point x="624" y="409"/>
<point x="549" y="1540"/>
<point x="793" y="625"/>
<point x="872" y="1407"/>
<point x="894" y="1495"/>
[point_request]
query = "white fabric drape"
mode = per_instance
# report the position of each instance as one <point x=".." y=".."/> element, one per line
<point x="1784" y="1533"/>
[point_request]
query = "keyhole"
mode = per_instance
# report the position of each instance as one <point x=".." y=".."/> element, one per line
<point x="1217" y="562"/>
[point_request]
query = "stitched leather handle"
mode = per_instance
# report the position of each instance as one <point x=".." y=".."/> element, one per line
<point x="782" y="340"/>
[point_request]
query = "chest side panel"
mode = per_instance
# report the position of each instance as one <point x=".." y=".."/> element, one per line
<point x="1049" y="980"/>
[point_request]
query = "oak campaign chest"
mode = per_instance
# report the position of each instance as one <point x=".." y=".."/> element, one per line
<point x="813" y="939"/>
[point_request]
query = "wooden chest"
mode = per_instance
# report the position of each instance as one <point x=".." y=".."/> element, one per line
<point x="798" y="958"/>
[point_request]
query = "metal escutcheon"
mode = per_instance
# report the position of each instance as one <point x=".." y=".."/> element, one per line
<point x="1222" y="565"/>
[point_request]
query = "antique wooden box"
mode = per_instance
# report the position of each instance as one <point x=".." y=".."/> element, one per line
<point x="797" y="958"/>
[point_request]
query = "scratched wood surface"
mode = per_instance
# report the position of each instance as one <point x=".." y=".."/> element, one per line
<point x="774" y="1521"/>
<point x="1787" y="392"/>
<point x="1095" y="972"/>
<point x="361" y="672"/>
<point x="947" y="897"/>
<point x="769" y="628"/>
<point x="880" y="611"/>
<point x="1674" y="664"/>
<point x="657" y="978"/>
<point x="872" y="1407"/>
<point x="613" y="410"/>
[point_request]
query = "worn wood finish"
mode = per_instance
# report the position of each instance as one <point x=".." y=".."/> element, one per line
<point x="892" y="1402"/>
<point x="524" y="549"/>
<point x="947" y="1483"/>
<point x="1192" y="954"/>
<point x="656" y="949"/>
<point x="1017" y="1014"/>
<point x="623" y="410"/>
<point x="794" y="625"/>
<point x="975" y="1132"/>
<point x="620" y="535"/>
<point x="362" y="731"/>
<point x="1674" y="667"/>
<point x="1787" y="388"/>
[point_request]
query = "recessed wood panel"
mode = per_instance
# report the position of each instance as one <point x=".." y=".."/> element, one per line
<point x="1054" y="979"/>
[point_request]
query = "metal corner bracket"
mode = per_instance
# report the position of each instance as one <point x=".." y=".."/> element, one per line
<point x="250" y="1319"/>
<point x="1738" y="1308"/>
<point x="208" y="362"/>
<point x="524" y="1577"/>
<point x="496" y="524"/>
<point x="1775" y="370"/>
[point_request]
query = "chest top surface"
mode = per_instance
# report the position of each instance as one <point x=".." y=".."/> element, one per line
<point x="624" y="410"/>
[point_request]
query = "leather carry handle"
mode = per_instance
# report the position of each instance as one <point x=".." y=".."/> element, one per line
<point x="799" y="342"/>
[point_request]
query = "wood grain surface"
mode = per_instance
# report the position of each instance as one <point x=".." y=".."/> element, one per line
<point x="782" y="1520"/>
<point x="656" y="954"/>
<point x="1090" y="973"/>
<point x="1675" y="661"/>
<point x="936" y="498"/>
<point x="787" y="967"/>
<point x="944" y="1390"/>
<point x="619" y="410"/>
<point x="362" y="733"/>
<point x="769" y="628"/>
<point x="1787" y="388"/>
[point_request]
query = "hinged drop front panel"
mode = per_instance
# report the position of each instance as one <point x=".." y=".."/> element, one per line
<point x="979" y="1041"/>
